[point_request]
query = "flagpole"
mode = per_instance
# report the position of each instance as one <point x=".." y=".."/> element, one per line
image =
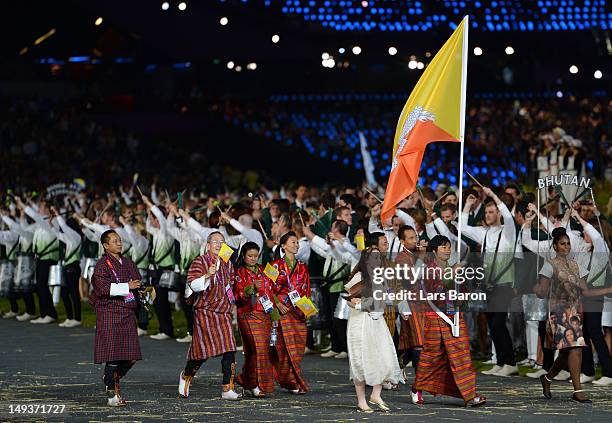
<point x="464" y="55"/>
<point x="462" y="125"/>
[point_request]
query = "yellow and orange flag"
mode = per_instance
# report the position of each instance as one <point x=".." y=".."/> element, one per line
<point x="434" y="111"/>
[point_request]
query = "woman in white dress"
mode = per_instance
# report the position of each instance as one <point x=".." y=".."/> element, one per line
<point x="372" y="357"/>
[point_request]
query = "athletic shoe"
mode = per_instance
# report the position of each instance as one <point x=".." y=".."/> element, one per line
<point x="184" y="382"/>
<point x="492" y="371"/>
<point x="584" y="379"/>
<point x="65" y="323"/>
<point x="75" y="323"/>
<point x="9" y="315"/>
<point x="25" y="317"/>
<point x="231" y="395"/>
<point x="43" y="320"/>
<point x="604" y="381"/>
<point x="563" y="375"/>
<point x="536" y="374"/>
<point x="255" y="392"/>
<point x="185" y="339"/>
<point x="490" y="361"/>
<point x="142" y="332"/>
<point x="507" y="370"/>
<point x="329" y="354"/>
<point x="416" y="397"/>
<point x="536" y="366"/>
<point x="160" y="337"/>
<point x="525" y="362"/>
<point x="343" y="354"/>
<point x="116" y="401"/>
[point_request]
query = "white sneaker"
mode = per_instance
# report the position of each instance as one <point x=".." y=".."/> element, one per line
<point x="255" y="392"/>
<point x="536" y="366"/>
<point x="116" y="401"/>
<point x="490" y="361"/>
<point x="65" y="324"/>
<point x="525" y="362"/>
<point x="343" y="354"/>
<point x="9" y="315"/>
<point x="584" y="379"/>
<point x="329" y="354"/>
<point x="492" y="371"/>
<point x="563" y="375"/>
<point x="25" y="317"/>
<point x="231" y="395"/>
<point x="185" y="339"/>
<point x="75" y="323"/>
<point x="507" y="370"/>
<point x="416" y="397"/>
<point x="43" y="320"/>
<point x="183" y="388"/>
<point x="160" y="337"/>
<point x="536" y="374"/>
<point x="142" y="332"/>
<point x="603" y="381"/>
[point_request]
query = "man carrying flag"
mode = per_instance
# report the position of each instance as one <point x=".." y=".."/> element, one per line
<point x="435" y="111"/>
<point x="211" y="277"/>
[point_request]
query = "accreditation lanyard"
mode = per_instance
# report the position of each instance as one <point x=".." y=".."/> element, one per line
<point x="227" y="287"/>
<point x="294" y="295"/>
<point x="128" y="298"/>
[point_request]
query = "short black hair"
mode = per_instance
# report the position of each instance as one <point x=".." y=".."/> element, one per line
<point x="341" y="225"/>
<point x="402" y="230"/>
<point x="349" y="199"/>
<point x="437" y="241"/>
<point x="106" y="235"/>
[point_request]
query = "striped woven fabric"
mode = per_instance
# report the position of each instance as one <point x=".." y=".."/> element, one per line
<point x="411" y="332"/>
<point x="390" y="317"/>
<point x="445" y="367"/>
<point x="212" y="334"/>
<point x="257" y="371"/>
<point x="290" y="347"/>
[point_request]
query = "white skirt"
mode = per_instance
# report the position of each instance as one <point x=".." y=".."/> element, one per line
<point x="606" y="315"/>
<point x="372" y="357"/>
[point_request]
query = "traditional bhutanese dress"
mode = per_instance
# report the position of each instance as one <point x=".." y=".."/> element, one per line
<point x="116" y="337"/>
<point x="255" y="326"/>
<point x="445" y="367"/>
<point x="292" y="331"/>
<point x="213" y="334"/>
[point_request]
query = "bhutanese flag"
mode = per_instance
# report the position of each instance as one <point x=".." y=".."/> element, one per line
<point x="226" y="252"/>
<point x="434" y="111"/>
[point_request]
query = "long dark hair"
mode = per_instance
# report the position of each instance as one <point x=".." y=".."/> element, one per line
<point x="283" y="240"/>
<point x="246" y="247"/>
<point x="558" y="234"/>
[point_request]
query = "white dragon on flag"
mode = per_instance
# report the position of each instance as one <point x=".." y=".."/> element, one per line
<point x="420" y="114"/>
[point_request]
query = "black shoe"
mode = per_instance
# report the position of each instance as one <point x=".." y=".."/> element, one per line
<point x="545" y="392"/>
<point x="581" y="401"/>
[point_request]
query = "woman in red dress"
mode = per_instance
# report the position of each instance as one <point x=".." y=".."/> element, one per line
<point x="253" y="292"/>
<point x="292" y="283"/>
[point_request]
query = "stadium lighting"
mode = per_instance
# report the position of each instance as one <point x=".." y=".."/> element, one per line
<point x="573" y="69"/>
<point x="364" y="3"/>
<point x="420" y="65"/>
<point x="99" y="21"/>
<point x="509" y="50"/>
<point x="325" y="56"/>
<point x="238" y="68"/>
<point x="165" y="5"/>
<point x="559" y="94"/>
<point x="252" y="66"/>
<point x="477" y="51"/>
<point x="597" y="74"/>
<point x="223" y="21"/>
<point x="182" y="6"/>
<point x="412" y="64"/>
<point x="341" y="50"/>
<point x="356" y="50"/>
<point x="230" y="65"/>
<point x="392" y="51"/>
<point x="275" y="38"/>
